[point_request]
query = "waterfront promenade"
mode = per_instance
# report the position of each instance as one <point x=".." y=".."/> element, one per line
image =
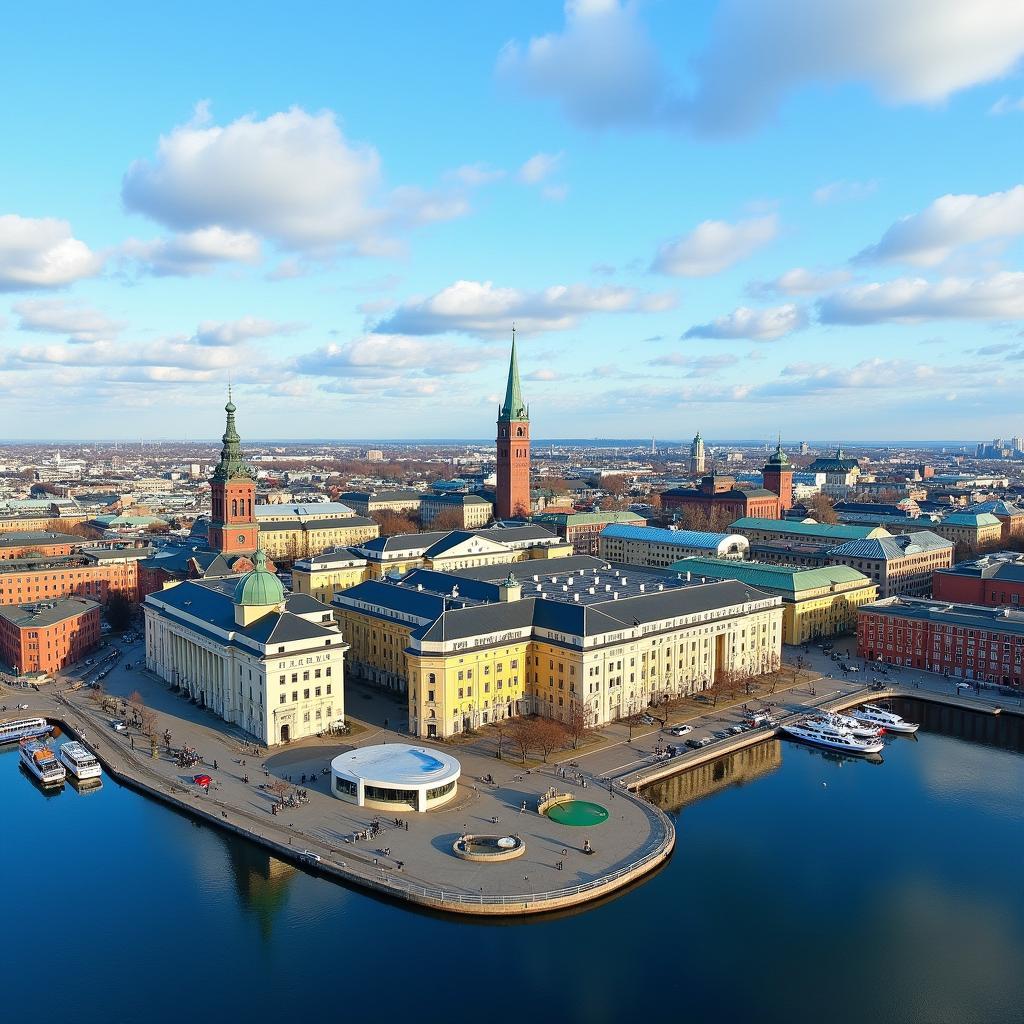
<point x="419" y="866"/>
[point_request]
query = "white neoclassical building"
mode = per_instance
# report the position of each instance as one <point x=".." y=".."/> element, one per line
<point x="270" y="663"/>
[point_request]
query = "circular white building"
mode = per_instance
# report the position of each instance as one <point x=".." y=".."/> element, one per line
<point x="395" y="777"/>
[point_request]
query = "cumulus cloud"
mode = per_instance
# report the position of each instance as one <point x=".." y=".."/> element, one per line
<point x="843" y="191"/>
<point x="542" y="375"/>
<point x="713" y="246"/>
<point x="42" y="253"/>
<point x="383" y="355"/>
<point x="929" y="237"/>
<point x="800" y="281"/>
<point x="908" y="300"/>
<point x="475" y="175"/>
<point x="478" y="307"/>
<point x="914" y="51"/>
<point x="292" y="177"/>
<point x="81" y="323"/>
<point x="227" y="333"/>
<point x="194" y="252"/>
<point x="604" y="69"/>
<point x="752" y="324"/>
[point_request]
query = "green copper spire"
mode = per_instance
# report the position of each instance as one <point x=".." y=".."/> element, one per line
<point x="779" y="457"/>
<point x="231" y="464"/>
<point x="513" y="410"/>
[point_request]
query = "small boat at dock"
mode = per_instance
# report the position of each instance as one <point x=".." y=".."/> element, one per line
<point x="41" y="761"/>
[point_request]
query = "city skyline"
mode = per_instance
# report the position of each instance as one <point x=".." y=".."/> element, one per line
<point x="348" y="231"/>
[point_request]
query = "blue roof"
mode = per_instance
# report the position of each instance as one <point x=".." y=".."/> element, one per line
<point x="681" y="538"/>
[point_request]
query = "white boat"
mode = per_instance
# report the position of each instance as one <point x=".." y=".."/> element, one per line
<point x="41" y="761"/>
<point x="80" y="761"/>
<point x="862" y="730"/>
<point x="888" y="720"/>
<point x="822" y="734"/>
<point x="18" y="729"/>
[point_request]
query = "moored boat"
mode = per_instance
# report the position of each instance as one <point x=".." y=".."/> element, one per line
<point x="80" y="761"/>
<point x="862" y="730"/>
<point x="17" y="729"/>
<point x="822" y="733"/>
<point x="41" y="761"/>
<point x="872" y="714"/>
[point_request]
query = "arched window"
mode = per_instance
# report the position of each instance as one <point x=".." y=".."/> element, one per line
<point x="234" y="506"/>
<point x="519" y="432"/>
<point x="431" y="678"/>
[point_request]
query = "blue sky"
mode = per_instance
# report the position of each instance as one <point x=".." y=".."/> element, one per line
<point x="744" y="217"/>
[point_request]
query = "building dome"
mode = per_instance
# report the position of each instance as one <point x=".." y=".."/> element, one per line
<point x="778" y="457"/>
<point x="260" y="587"/>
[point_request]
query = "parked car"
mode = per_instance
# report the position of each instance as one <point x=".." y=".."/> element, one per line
<point x="118" y="726"/>
<point x="646" y="720"/>
<point x="737" y="729"/>
<point x="696" y="744"/>
<point x="681" y="730"/>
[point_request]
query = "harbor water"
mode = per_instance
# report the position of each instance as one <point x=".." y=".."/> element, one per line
<point x="804" y="887"/>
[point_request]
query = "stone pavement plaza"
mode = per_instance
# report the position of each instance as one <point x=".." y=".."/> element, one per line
<point x="325" y="821"/>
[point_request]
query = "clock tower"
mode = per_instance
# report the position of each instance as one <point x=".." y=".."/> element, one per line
<point x="233" y="526"/>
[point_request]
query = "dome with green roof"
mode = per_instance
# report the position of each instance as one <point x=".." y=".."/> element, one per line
<point x="260" y="587"/>
<point x="778" y="457"/>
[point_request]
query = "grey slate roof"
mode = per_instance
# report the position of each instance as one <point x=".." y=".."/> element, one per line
<point x="889" y="548"/>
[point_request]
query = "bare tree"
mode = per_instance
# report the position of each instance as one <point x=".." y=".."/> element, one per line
<point x="137" y="705"/>
<point x="280" y="788"/>
<point x="549" y="735"/>
<point x="147" y="718"/>
<point x="822" y="508"/>
<point x="522" y="733"/>
<point x="578" y="722"/>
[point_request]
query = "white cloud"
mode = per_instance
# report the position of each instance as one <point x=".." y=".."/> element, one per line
<point x="194" y="252"/>
<point x="293" y="178"/>
<point x="843" y="191"/>
<point x="697" y="366"/>
<point x="478" y="307"/>
<point x="81" y="323"/>
<point x="908" y="300"/>
<point x="713" y="246"/>
<point x="556" y="193"/>
<point x="226" y="333"/>
<point x="929" y="237"/>
<point x="42" y="253"/>
<point x="603" y="68"/>
<point x="1006" y="105"/>
<point x="384" y="355"/>
<point x="800" y="281"/>
<point x="539" y="167"/>
<point x="542" y="375"/>
<point x="752" y="324"/>
<point x="475" y="175"/>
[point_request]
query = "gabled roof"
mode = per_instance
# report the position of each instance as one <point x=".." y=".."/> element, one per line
<point x="681" y="538"/>
<point x="889" y="548"/>
<point x="789" y="579"/>
<point x="461" y="542"/>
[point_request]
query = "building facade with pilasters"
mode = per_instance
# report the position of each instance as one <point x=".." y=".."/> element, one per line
<point x="271" y="664"/>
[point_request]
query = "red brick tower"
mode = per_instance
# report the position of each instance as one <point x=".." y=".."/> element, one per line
<point x="233" y="526"/>
<point x="513" y="492"/>
<point x="778" y="477"/>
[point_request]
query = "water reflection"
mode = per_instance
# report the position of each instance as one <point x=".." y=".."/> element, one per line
<point x="1005" y="731"/>
<point x="262" y="881"/>
<point x="677" y="791"/>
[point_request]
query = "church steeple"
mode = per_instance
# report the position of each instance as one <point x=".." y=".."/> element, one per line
<point x="514" y="410"/>
<point x="232" y="464"/>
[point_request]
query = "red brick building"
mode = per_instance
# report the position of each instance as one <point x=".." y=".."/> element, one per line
<point x="996" y="579"/>
<point x="512" y="497"/>
<point x="778" y="477"/>
<point x="39" y="542"/>
<point x="233" y="526"/>
<point x="94" y="574"/>
<point x="49" y="636"/>
<point x="964" y="641"/>
<point x="720" y="494"/>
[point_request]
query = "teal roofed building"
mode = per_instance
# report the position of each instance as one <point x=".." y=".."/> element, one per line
<point x="817" y="602"/>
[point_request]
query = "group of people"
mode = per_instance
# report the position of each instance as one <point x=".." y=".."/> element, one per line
<point x="189" y="757"/>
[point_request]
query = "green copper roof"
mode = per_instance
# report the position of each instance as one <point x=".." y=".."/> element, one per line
<point x="784" y="579"/>
<point x="260" y="587"/>
<point x="779" y="457"/>
<point x="514" y="408"/>
<point x="232" y="465"/>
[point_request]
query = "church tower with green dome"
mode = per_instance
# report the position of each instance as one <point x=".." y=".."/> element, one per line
<point x="512" y="497"/>
<point x="233" y="526"/>
<point x="778" y="477"/>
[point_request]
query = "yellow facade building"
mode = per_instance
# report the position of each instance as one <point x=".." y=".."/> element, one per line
<point x="574" y="639"/>
<point x="816" y="602"/>
<point x="302" y="531"/>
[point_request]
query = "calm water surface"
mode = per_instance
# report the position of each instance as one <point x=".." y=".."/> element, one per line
<point x="802" y="889"/>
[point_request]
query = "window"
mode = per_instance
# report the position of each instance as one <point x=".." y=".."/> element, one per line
<point x="284" y="698"/>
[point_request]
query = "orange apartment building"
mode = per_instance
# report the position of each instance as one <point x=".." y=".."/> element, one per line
<point x="94" y="575"/>
<point x="36" y="542"/>
<point x="50" y="636"/>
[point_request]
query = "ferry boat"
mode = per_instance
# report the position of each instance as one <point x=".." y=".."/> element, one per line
<point x="862" y="730"/>
<point x="80" y="761"/>
<point x="39" y="759"/>
<point x="824" y="734"/>
<point x="19" y="729"/>
<point x="888" y="720"/>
